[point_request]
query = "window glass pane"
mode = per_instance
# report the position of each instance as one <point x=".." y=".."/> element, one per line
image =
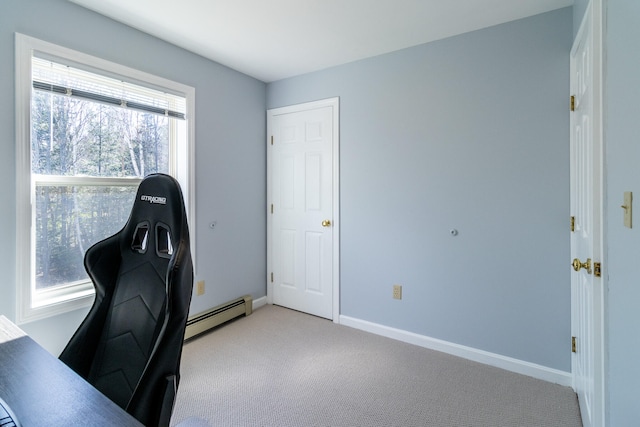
<point x="75" y="137"/>
<point x="69" y="219"/>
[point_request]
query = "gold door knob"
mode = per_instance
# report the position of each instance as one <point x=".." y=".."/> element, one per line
<point x="326" y="223"/>
<point x="577" y="265"/>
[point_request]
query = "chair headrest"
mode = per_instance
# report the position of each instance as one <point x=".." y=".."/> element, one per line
<point x="158" y="220"/>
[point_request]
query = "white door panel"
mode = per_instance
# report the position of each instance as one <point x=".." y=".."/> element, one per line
<point x="302" y="195"/>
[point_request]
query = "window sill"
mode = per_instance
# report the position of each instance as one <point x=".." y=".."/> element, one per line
<point x="54" y="302"/>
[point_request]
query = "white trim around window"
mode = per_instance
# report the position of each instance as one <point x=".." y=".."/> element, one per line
<point x="33" y="305"/>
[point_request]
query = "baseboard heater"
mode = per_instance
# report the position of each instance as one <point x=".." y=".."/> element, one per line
<point x="209" y="319"/>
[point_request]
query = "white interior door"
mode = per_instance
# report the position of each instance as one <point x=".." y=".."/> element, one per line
<point x="302" y="212"/>
<point x="586" y="247"/>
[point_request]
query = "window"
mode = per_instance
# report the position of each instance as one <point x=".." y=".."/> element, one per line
<point x="88" y="131"/>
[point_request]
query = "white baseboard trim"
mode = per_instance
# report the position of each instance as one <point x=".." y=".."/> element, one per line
<point x="259" y="302"/>
<point x="508" y="363"/>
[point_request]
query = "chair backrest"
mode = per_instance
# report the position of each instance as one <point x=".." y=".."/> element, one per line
<point x="130" y="343"/>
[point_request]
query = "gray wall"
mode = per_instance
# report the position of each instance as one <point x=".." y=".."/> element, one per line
<point x="470" y="133"/>
<point x="622" y="154"/>
<point x="579" y="8"/>
<point x="230" y="165"/>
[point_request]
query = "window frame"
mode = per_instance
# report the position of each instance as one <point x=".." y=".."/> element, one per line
<point x="32" y="305"/>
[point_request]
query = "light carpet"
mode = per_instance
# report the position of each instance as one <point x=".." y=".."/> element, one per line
<point x="281" y="368"/>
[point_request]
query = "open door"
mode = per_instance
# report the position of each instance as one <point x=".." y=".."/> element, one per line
<point x="587" y="290"/>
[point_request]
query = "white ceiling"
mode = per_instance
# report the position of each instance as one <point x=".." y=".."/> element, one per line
<point x="274" y="39"/>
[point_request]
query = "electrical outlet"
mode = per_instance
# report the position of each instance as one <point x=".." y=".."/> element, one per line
<point x="397" y="291"/>
<point x="200" y="287"/>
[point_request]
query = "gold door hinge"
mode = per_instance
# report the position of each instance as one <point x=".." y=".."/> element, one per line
<point x="573" y="224"/>
<point x="271" y="277"/>
<point x="573" y="345"/>
<point x="572" y="103"/>
<point x="597" y="269"/>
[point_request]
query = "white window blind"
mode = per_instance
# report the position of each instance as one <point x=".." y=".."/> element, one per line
<point x="67" y="80"/>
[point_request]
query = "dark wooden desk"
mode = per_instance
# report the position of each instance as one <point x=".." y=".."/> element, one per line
<point x="42" y="391"/>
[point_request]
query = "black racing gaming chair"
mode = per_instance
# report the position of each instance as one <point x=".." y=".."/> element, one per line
<point x="130" y="343"/>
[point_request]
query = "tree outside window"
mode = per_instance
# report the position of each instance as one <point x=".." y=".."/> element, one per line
<point x="77" y="138"/>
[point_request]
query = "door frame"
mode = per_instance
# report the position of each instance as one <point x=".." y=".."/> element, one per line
<point x="334" y="103"/>
<point x="594" y="18"/>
